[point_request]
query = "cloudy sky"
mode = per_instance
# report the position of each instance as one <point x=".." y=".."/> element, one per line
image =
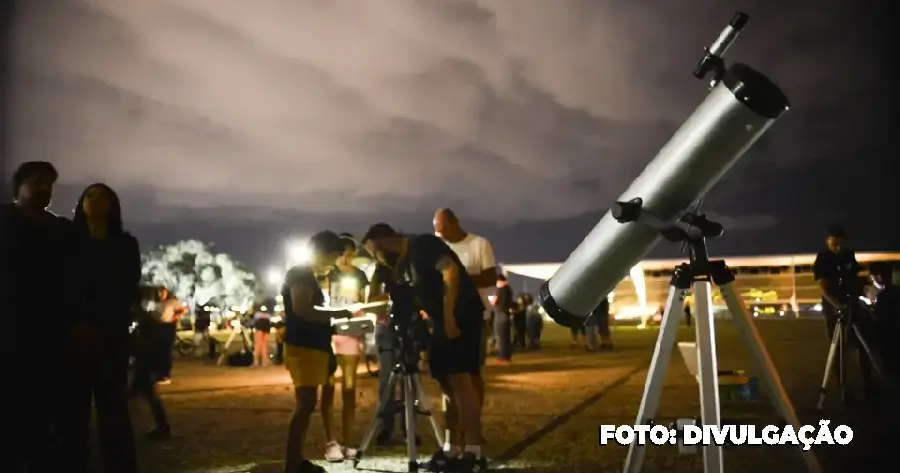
<point x="244" y="121"/>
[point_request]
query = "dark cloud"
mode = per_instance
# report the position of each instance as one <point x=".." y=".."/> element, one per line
<point x="506" y="110"/>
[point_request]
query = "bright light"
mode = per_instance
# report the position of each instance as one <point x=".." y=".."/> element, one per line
<point x="274" y="276"/>
<point x="865" y="300"/>
<point x="235" y="323"/>
<point x="640" y="286"/>
<point x="492" y="298"/>
<point x="297" y="253"/>
<point x="349" y="284"/>
<point x="632" y="312"/>
<point x="817" y="307"/>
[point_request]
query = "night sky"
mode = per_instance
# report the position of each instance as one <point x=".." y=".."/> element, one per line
<point x="244" y="124"/>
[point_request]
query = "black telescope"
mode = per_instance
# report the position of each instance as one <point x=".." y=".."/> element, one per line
<point x="741" y="106"/>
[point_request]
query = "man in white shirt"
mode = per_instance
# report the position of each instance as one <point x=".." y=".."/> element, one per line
<point x="477" y="255"/>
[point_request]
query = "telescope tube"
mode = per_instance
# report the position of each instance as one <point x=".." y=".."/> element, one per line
<point x="735" y="113"/>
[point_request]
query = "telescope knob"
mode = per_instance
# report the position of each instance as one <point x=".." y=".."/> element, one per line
<point x="626" y="212"/>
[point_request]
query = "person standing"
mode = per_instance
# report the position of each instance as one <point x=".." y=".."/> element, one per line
<point x="505" y="306"/>
<point x="307" y="342"/>
<point x="518" y="320"/>
<point x="262" y="327"/>
<point x="98" y="350"/>
<point x="151" y="359"/>
<point x="476" y="254"/>
<point x="34" y="262"/>
<point x="836" y="271"/>
<point x="448" y="295"/>
<point x="346" y="286"/>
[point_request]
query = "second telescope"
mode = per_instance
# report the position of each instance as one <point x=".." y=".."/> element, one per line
<point x="735" y="113"/>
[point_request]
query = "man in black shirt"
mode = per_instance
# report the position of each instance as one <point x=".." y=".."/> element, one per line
<point x="307" y="342"/>
<point x="837" y="273"/>
<point x="446" y="293"/>
<point x="505" y="305"/>
<point x="34" y="245"/>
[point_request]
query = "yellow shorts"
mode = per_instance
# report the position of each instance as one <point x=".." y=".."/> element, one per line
<point x="308" y="367"/>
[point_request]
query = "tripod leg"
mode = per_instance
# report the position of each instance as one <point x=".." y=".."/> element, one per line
<point x="426" y="408"/>
<point x="383" y="403"/>
<point x="842" y="356"/>
<point x="656" y="375"/>
<point x="409" y="389"/>
<point x="743" y="321"/>
<point x="829" y="367"/>
<point x="708" y="370"/>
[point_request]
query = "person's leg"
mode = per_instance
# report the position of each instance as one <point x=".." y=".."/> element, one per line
<point x="504" y="337"/>
<point x="574" y="331"/>
<point x="113" y="418"/>
<point x="72" y="425"/>
<point x="465" y="400"/>
<point x="264" y="348"/>
<point x="349" y="365"/>
<point x="168" y="347"/>
<point x="590" y="338"/>
<point x="309" y="369"/>
<point x="305" y="404"/>
<point x="326" y="410"/>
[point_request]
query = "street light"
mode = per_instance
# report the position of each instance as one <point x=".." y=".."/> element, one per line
<point x="297" y="253"/>
<point x="274" y="276"/>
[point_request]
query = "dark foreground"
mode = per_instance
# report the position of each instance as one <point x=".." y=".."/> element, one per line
<point x="541" y="414"/>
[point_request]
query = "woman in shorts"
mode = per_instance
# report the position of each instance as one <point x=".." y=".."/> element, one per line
<point x="346" y="284"/>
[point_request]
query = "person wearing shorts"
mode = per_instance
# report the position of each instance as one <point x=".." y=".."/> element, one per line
<point x="346" y="285"/>
<point x="454" y="356"/>
<point x="307" y="343"/>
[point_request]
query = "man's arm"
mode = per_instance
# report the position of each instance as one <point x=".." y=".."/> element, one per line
<point x="302" y="305"/>
<point x="488" y="276"/>
<point x="377" y="285"/>
<point x="450" y="274"/>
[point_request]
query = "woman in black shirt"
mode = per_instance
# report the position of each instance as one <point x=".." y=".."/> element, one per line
<point x="110" y="271"/>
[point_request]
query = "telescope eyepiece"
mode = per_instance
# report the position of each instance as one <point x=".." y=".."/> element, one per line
<point x="712" y="59"/>
<point x="739" y="21"/>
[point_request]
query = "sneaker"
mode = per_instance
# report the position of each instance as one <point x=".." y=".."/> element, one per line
<point x="334" y="453"/>
<point x="469" y="463"/>
<point x="350" y="453"/>
<point x="440" y="462"/>
<point x="309" y="467"/>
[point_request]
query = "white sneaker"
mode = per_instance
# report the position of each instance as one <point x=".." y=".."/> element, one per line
<point x="334" y="453"/>
<point x="350" y="453"/>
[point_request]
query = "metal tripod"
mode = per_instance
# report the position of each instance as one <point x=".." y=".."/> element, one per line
<point x="837" y="350"/>
<point x="414" y="405"/>
<point x="699" y="276"/>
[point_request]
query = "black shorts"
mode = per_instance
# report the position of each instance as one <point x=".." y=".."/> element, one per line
<point x="462" y="355"/>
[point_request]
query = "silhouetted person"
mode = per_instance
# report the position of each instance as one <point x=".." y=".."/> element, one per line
<point x="518" y="320"/>
<point x="836" y="272"/>
<point x="151" y="360"/>
<point x="504" y="306"/>
<point x="36" y="303"/>
<point x="887" y="311"/>
<point x="110" y="267"/>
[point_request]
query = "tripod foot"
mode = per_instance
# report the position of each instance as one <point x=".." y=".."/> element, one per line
<point x="413" y="466"/>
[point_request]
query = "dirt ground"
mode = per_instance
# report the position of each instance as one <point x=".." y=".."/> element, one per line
<point x="541" y="414"/>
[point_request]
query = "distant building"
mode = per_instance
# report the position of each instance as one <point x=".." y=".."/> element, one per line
<point x="770" y="285"/>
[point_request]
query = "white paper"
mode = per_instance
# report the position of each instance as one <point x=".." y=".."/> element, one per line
<point x="354" y="307"/>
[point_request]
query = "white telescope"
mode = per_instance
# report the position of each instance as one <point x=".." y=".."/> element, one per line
<point x="740" y="108"/>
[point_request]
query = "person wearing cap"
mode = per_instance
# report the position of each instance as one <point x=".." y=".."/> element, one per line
<point x="308" y="354"/>
<point x="836" y="271"/>
<point x="34" y="246"/>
